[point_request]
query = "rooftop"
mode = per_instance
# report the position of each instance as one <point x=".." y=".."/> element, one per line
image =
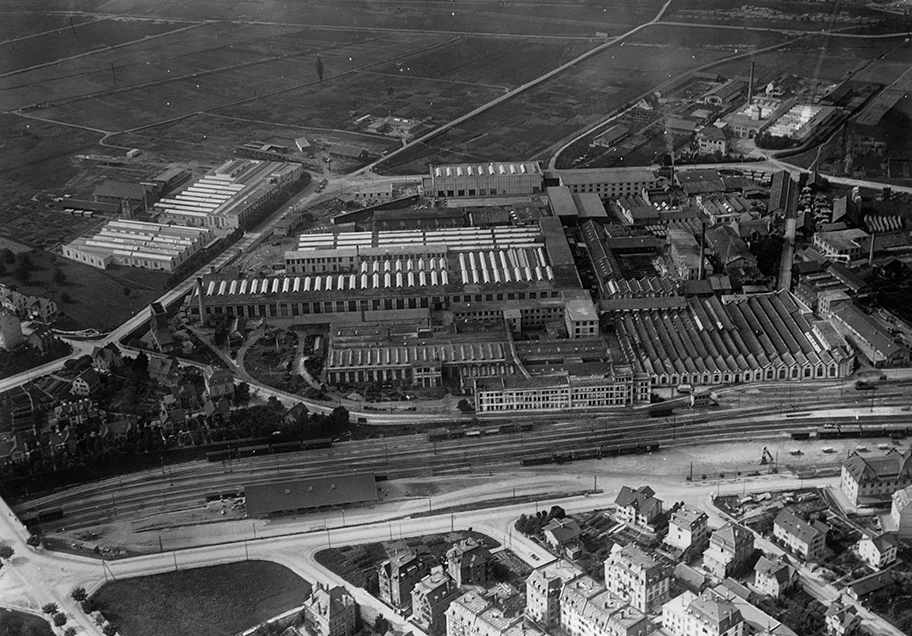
<point x="305" y="494"/>
<point x="491" y="169"/>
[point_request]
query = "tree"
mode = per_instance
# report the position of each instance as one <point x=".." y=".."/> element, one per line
<point x="22" y="273"/>
<point x="65" y="297"/>
<point x="381" y="625"/>
<point x="49" y="608"/>
<point x="110" y="629"/>
<point x="319" y="68"/>
<point x="242" y="393"/>
<point x="58" y="276"/>
<point x="7" y="256"/>
<point x="79" y="594"/>
<point x="339" y="416"/>
<point x="2" y="268"/>
<point x="464" y="406"/>
<point x="88" y="606"/>
<point x="60" y="619"/>
<point x="34" y="540"/>
<point x="127" y="291"/>
<point x="6" y="552"/>
<point x="70" y="631"/>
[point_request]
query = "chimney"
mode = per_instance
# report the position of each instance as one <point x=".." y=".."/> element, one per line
<point x="702" y="249"/>
<point x="199" y="299"/>
<point x="871" y="250"/>
<point x="750" y="86"/>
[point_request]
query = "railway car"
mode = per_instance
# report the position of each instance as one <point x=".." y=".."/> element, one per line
<point x="586" y="453"/>
<point x="314" y="444"/>
<point x="251" y="451"/>
<point x="438" y="435"/>
<point x="537" y="460"/>
<point x="49" y="514"/>
<point x="801" y="434"/>
<point x="286" y="447"/>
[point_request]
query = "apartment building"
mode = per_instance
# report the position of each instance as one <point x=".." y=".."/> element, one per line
<point x="431" y="597"/>
<point x="543" y="592"/>
<point x="687" y="528"/>
<point x="588" y="609"/>
<point x="704" y="615"/>
<point x="330" y="611"/>
<point x="730" y="547"/>
<point x="468" y="562"/>
<point x="873" y="480"/>
<point x="398" y="576"/>
<point x="639" y="507"/>
<point x="637" y="577"/>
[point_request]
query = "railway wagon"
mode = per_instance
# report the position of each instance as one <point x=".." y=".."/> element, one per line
<point x="235" y="493"/>
<point x="49" y="514"/>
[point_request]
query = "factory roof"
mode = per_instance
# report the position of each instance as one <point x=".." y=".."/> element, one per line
<point x="491" y="169"/>
<point x="709" y="336"/>
<point x="138" y="239"/>
<point x="418" y="355"/>
<point x="582" y="176"/>
<point x="120" y="190"/>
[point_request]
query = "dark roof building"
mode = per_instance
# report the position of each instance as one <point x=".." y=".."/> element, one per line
<point x="310" y="494"/>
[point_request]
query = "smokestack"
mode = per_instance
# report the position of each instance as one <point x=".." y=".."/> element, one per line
<point x="200" y="301"/>
<point x="871" y="251"/>
<point x="700" y="271"/>
<point x="750" y="86"/>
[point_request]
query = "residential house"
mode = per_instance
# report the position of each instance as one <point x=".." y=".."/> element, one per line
<point x="86" y="383"/>
<point x="807" y="540"/>
<point x="638" y="507"/>
<point x="468" y="562"/>
<point x="119" y="430"/>
<point x="219" y="383"/>
<point x="163" y="370"/>
<point x="297" y="414"/>
<point x="687" y="528"/>
<point x="690" y="578"/>
<point x="637" y="577"/>
<point x="878" y="551"/>
<point x="901" y="512"/>
<point x="398" y="576"/>
<point x="330" y="611"/>
<point x="563" y="534"/>
<point x="704" y="615"/>
<point x="543" y="592"/>
<point x="12" y="450"/>
<point x="221" y="407"/>
<point x="42" y="309"/>
<point x="106" y="359"/>
<point x="873" y="480"/>
<point x="773" y="576"/>
<point x="842" y="620"/>
<point x="42" y="338"/>
<point x="431" y="597"/>
<point x="730" y="548"/>
<point x="588" y="609"/>
<point x="73" y="413"/>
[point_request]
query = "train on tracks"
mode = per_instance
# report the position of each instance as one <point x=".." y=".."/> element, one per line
<point x="271" y="448"/>
<point x="854" y="431"/>
<point x="51" y="514"/>
<point x="441" y="434"/>
<point x="596" y="452"/>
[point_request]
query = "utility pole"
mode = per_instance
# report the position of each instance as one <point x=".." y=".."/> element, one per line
<point x="174" y="555"/>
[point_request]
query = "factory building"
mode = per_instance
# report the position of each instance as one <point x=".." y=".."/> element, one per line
<point x="760" y="338"/>
<point x="484" y="179"/>
<point x="608" y="183"/>
<point x="139" y="244"/>
<point x="234" y="195"/>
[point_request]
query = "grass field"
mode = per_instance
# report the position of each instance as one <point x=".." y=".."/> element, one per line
<point x="13" y="623"/>
<point x="97" y="297"/>
<point x="215" y="601"/>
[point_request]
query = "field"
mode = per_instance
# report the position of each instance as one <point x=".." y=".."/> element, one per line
<point x="90" y="290"/>
<point x="13" y="623"/>
<point x="212" y="601"/>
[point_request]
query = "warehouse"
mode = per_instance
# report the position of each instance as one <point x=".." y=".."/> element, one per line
<point x="485" y="179"/>
<point x="235" y="195"/>
<point x="139" y="244"/>
<point x="319" y="493"/>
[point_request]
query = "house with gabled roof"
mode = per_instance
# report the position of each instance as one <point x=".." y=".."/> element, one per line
<point x="878" y="550"/>
<point x="868" y="481"/>
<point x="730" y="548"/>
<point x="106" y="359"/>
<point x="842" y="620"/>
<point x="638" y="507"/>
<point x="86" y="383"/>
<point x="803" y="538"/>
<point x="773" y="576"/>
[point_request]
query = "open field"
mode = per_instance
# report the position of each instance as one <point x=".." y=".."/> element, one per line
<point x="97" y="297"/>
<point x="13" y="623"/>
<point x="211" y="601"/>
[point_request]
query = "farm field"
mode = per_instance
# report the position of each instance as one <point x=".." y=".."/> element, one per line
<point x="531" y="124"/>
<point x="211" y="601"/>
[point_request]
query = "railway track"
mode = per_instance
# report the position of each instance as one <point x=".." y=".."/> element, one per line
<point x="186" y="486"/>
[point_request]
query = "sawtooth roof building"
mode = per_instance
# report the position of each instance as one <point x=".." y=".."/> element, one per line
<point x="235" y="195"/>
<point x="138" y="244"/>
<point x="708" y="341"/>
<point x="500" y="178"/>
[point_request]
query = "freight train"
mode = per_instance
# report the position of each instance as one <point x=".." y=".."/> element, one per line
<point x="271" y="448"/>
<point x="854" y="431"/>
<point x="596" y="452"/>
<point x="441" y="434"/>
